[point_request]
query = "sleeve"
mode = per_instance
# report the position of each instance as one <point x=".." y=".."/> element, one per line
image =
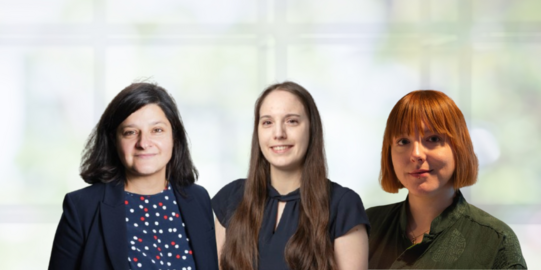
<point x="509" y="254"/>
<point x="68" y="240"/>
<point x="349" y="212"/>
<point x="225" y="202"/>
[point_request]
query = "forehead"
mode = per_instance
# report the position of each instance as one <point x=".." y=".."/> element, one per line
<point x="147" y="113"/>
<point x="414" y="128"/>
<point x="281" y="102"/>
<point x="418" y="126"/>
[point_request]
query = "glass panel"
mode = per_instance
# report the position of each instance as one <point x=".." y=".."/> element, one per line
<point x="498" y="11"/>
<point x="46" y="11"/>
<point x="50" y="116"/>
<point x="505" y="113"/>
<point x="345" y="11"/>
<point x="182" y="11"/>
<point x="25" y="245"/>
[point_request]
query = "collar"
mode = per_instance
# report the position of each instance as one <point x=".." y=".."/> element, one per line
<point x="292" y="196"/>
<point x="446" y="219"/>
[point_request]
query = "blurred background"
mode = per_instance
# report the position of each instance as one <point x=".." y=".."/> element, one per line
<point x="62" y="61"/>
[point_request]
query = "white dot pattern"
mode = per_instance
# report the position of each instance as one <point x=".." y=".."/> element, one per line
<point x="155" y="234"/>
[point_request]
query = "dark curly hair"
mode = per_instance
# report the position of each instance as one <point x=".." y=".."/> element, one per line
<point x="100" y="161"/>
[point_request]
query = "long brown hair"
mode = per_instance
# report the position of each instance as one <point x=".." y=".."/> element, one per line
<point x="310" y="247"/>
<point x="443" y="116"/>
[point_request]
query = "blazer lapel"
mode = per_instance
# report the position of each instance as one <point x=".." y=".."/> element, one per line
<point x="112" y="213"/>
<point x="193" y="215"/>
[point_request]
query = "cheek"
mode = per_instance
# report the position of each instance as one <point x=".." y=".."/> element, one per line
<point x="305" y="136"/>
<point x="261" y="137"/>
<point x="396" y="158"/>
<point x="122" y="149"/>
<point x="168" y="145"/>
<point x="450" y="161"/>
<point x="445" y="159"/>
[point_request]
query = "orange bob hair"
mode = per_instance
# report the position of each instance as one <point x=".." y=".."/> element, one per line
<point x="441" y="115"/>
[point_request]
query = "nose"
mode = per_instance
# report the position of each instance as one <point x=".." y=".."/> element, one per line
<point x="279" y="132"/>
<point x="417" y="152"/>
<point x="143" y="141"/>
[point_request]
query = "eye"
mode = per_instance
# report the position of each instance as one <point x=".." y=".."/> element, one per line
<point x="158" y="130"/>
<point x="293" y="121"/>
<point x="402" y="141"/>
<point x="128" y="132"/>
<point x="434" y="139"/>
<point x="265" y="122"/>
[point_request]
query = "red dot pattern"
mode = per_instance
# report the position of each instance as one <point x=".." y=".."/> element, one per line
<point x="156" y="234"/>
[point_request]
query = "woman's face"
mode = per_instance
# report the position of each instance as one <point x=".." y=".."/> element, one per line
<point x="424" y="165"/>
<point x="283" y="131"/>
<point x="145" y="142"/>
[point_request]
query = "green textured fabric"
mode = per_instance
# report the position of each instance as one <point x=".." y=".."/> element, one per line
<point x="462" y="237"/>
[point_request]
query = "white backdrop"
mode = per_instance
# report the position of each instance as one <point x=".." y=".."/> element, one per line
<point x="62" y="61"/>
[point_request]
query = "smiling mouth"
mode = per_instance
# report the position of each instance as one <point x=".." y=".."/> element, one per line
<point x="281" y="148"/>
<point x="145" y="155"/>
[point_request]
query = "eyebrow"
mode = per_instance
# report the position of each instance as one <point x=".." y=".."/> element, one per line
<point x="152" y="124"/>
<point x="287" y="115"/>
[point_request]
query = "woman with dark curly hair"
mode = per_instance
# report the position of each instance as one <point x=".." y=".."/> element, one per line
<point x="142" y="210"/>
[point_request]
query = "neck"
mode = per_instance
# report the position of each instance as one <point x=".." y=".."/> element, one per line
<point x="285" y="181"/>
<point x="145" y="185"/>
<point x="424" y="209"/>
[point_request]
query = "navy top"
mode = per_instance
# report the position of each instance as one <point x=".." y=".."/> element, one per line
<point x="346" y="211"/>
<point x="155" y="232"/>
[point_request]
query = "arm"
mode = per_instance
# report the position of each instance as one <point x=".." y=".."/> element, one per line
<point x="509" y="253"/>
<point x="68" y="241"/>
<point x="351" y="249"/>
<point x="220" y="237"/>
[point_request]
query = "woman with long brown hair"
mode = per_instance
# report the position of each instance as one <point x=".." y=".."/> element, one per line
<point x="427" y="150"/>
<point x="287" y="214"/>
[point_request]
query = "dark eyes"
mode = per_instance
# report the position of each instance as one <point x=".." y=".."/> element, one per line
<point x="135" y="132"/>
<point x="431" y="139"/>
<point x="129" y="132"/>
<point x="402" y="141"/>
<point x="293" y="121"/>
<point x="434" y="139"/>
<point x="289" y="121"/>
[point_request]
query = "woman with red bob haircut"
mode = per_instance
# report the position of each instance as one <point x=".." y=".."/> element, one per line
<point x="427" y="149"/>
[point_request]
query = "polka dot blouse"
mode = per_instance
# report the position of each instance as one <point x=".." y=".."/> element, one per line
<point x="156" y="235"/>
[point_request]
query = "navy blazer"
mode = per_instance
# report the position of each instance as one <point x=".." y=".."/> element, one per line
<point x="92" y="230"/>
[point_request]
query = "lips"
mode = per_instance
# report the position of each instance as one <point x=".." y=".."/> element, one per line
<point x="419" y="173"/>
<point x="145" y="155"/>
<point x="280" y="148"/>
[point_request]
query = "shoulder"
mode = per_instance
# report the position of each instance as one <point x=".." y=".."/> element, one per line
<point x="226" y="201"/>
<point x="338" y="192"/>
<point x="341" y="196"/>
<point x="92" y="193"/>
<point x="83" y="203"/>
<point x="492" y="230"/>
<point x="378" y="214"/>
<point x="486" y="220"/>
<point x="346" y="211"/>
<point x="234" y="186"/>
<point x="196" y="191"/>
<point x="231" y="191"/>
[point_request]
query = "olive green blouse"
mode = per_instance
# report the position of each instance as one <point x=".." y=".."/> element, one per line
<point x="462" y="236"/>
